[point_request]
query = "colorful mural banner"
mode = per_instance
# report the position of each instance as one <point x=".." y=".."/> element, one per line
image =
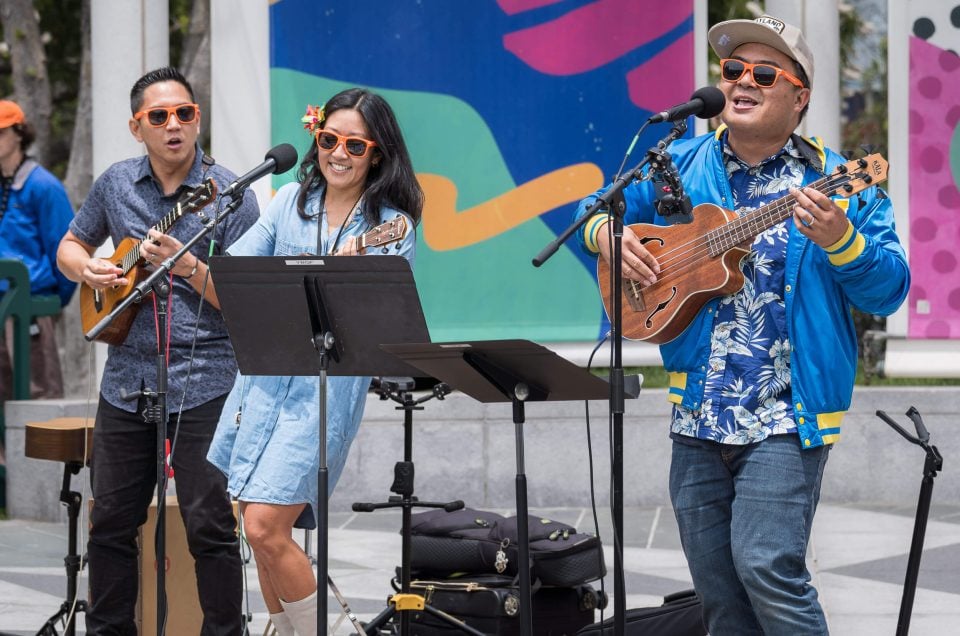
<point x="934" y="175"/>
<point x="513" y="111"/>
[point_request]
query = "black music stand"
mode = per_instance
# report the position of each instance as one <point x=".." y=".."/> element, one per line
<point x="319" y="315"/>
<point x="515" y="371"/>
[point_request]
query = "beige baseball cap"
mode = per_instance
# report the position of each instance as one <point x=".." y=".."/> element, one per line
<point x="725" y="37"/>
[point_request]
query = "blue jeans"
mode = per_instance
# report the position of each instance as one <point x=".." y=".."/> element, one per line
<point x="744" y="514"/>
<point x="124" y="476"/>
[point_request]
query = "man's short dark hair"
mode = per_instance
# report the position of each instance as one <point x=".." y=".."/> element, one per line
<point x="165" y="74"/>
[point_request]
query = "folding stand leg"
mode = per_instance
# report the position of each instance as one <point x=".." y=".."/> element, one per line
<point x="72" y="561"/>
<point x="403" y="480"/>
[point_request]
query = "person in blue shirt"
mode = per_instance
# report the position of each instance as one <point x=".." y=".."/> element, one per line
<point x="357" y="175"/>
<point x="129" y="200"/>
<point x="761" y="378"/>
<point x="34" y="215"/>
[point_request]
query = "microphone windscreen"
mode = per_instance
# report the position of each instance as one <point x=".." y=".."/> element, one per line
<point x="713" y="101"/>
<point x="284" y="155"/>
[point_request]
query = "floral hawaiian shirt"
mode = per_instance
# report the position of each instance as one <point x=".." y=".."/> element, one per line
<point x="746" y="397"/>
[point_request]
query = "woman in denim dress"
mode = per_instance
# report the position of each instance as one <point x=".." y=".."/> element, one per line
<point x="356" y="175"/>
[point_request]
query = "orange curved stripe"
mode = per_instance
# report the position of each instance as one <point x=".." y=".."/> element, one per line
<point x="444" y="228"/>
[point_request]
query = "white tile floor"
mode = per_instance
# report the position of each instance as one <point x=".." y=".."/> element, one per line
<point x="858" y="557"/>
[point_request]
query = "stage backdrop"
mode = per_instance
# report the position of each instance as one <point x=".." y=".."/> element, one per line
<point x="934" y="125"/>
<point x="513" y="110"/>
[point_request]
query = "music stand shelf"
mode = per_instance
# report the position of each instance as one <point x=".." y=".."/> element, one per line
<point x="515" y="371"/>
<point x="319" y="316"/>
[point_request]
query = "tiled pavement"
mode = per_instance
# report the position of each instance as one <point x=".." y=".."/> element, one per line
<point x="858" y="557"/>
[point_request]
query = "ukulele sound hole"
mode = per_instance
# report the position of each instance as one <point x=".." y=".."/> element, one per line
<point x="661" y="307"/>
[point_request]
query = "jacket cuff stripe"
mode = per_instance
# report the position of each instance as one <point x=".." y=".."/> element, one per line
<point x="848" y="254"/>
<point x="844" y="241"/>
<point x="592" y="229"/>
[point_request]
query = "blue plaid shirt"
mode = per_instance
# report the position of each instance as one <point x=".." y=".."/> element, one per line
<point x="746" y="397"/>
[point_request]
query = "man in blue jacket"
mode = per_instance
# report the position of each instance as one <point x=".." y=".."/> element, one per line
<point x="34" y="215"/>
<point x="761" y="378"/>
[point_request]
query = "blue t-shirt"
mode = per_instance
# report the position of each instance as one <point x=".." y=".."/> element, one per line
<point x="126" y="201"/>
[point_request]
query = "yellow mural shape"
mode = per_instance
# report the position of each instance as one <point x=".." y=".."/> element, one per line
<point x="444" y="228"/>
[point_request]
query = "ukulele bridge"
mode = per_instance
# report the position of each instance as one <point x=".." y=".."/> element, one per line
<point x="634" y="293"/>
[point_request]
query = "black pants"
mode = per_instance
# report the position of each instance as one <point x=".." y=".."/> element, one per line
<point x="124" y="475"/>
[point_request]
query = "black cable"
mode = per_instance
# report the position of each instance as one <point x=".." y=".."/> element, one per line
<point x="593" y="494"/>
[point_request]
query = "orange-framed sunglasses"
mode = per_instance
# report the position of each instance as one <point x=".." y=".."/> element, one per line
<point x="159" y="116"/>
<point x="764" y="75"/>
<point x="355" y="146"/>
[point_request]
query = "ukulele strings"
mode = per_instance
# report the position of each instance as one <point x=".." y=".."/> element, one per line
<point x="132" y="257"/>
<point x="674" y="261"/>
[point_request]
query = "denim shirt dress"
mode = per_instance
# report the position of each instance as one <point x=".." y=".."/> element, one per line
<point x="267" y="437"/>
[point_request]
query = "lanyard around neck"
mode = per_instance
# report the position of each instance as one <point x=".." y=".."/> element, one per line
<point x="343" y="224"/>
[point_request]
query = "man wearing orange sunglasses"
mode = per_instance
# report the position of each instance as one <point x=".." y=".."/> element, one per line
<point x="761" y="378"/>
<point x="129" y="198"/>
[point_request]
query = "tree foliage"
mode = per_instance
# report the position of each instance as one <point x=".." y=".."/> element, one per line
<point x="63" y="25"/>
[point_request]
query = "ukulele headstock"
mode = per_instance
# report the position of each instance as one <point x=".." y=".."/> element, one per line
<point x="857" y="174"/>
<point x="200" y="197"/>
<point x="393" y="230"/>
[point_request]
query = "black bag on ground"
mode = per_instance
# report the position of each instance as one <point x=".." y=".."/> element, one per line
<point x="561" y="556"/>
<point x="491" y="604"/>
<point x="470" y="541"/>
<point x="443" y="543"/>
<point x="680" y="615"/>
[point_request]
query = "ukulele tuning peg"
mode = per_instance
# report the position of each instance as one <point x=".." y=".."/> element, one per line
<point x="847" y="154"/>
<point x="867" y="149"/>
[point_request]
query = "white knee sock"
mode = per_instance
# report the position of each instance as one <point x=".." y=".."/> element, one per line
<point x="281" y="622"/>
<point x="302" y="615"/>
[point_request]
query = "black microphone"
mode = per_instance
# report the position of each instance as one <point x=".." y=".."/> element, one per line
<point x="705" y="103"/>
<point x="278" y="159"/>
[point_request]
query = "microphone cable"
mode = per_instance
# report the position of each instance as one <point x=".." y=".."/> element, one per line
<point x="593" y="494"/>
<point x="186" y="382"/>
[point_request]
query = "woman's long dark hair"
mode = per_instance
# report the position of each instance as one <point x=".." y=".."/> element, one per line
<point x="392" y="181"/>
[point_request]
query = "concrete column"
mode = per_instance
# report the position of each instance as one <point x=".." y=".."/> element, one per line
<point x="240" y="86"/>
<point x="127" y="40"/>
<point x="820" y="22"/>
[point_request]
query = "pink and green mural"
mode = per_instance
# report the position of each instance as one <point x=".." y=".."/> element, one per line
<point x="934" y="172"/>
<point x="513" y="111"/>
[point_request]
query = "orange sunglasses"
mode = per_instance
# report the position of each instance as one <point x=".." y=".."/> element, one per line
<point x="764" y="75"/>
<point x="355" y="146"/>
<point x="159" y="116"/>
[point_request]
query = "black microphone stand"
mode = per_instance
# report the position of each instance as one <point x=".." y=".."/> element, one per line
<point x="931" y="466"/>
<point x="155" y="407"/>
<point x="612" y="201"/>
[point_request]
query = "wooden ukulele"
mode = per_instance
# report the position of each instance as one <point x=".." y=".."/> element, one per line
<point x="95" y="304"/>
<point x="701" y="260"/>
